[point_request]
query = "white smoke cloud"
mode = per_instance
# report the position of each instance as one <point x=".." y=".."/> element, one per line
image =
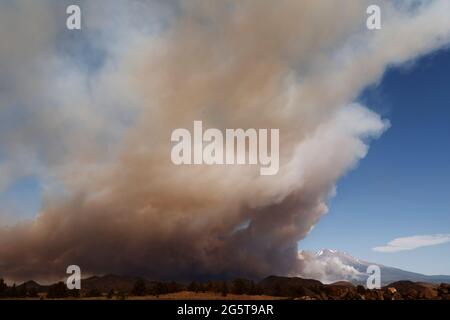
<point x="328" y="269"/>
<point x="91" y="114"/>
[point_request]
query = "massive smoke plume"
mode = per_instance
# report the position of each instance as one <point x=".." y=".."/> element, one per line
<point x="89" y="114"/>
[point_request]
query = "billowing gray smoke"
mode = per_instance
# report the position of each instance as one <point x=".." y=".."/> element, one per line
<point x="90" y="115"/>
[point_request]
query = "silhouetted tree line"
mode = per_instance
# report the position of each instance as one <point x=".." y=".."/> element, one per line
<point x="155" y="288"/>
<point x="237" y="286"/>
<point x="16" y="292"/>
<point x="60" y="290"/>
<point x="399" y="290"/>
<point x="140" y="288"/>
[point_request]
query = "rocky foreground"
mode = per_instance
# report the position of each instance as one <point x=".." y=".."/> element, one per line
<point x="306" y="289"/>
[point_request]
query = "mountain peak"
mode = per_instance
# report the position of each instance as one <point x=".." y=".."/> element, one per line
<point x="340" y="265"/>
<point x="335" y="253"/>
<point x="326" y="251"/>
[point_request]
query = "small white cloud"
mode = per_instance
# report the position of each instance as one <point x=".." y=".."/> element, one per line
<point x="413" y="242"/>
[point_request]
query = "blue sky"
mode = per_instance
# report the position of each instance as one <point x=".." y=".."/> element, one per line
<point x="402" y="187"/>
<point x="23" y="198"/>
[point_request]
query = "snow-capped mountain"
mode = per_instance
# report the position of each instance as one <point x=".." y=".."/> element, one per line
<point x="333" y="265"/>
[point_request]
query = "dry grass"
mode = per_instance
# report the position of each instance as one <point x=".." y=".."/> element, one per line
<point x="188" y="295"/>
<point x="182" y="295"/>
